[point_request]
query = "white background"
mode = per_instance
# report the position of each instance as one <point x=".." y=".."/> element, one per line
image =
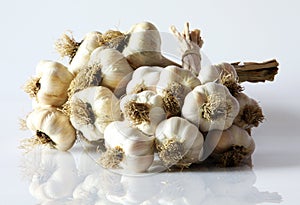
<point x="233" y="30"/>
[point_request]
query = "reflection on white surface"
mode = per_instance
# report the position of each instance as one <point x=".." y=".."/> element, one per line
<point x="57" y="178"/>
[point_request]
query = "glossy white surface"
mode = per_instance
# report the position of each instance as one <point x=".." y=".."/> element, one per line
<point x="232" y="30"/>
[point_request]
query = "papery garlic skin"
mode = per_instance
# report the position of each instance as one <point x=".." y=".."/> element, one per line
<point x="137" y="147"/>
<point x="54" y="83"/>
<point x="179" y="130"/>
<point x="214" y="72"/>
<point x="116" y="72"/>
<point x="234" y="142"/>
<point x="250" y="114"/>
<point x="151" y="104"/>
<point x="144" y="46"/>
<point x="91" y="41"/>
<point x="208" y="73"/>
<point x="144" y="78"/>
<point x="92" y="109"/>
<point x="210" y="106"/>
<point x="54" y="124"/>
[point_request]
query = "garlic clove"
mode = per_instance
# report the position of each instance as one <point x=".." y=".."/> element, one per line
<point x="210" y="106"/>
<point x="179" y="142"/>
<point x="91" y="41"/>
<point x="46" y="124"/>
<point x="92" y="109"/>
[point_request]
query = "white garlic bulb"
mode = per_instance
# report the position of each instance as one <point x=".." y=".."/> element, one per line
<point x="224" y="73"/>
<point x="127" y="147"/>
<point x="208" y="73"/>
<point x="91" y="41"/>
<point x="210" y="106"/>
<point x="250" y="114"/>
<point x="50" y="85"/>
<point x="173" y="85"/>
<point x="179" y="142"/>
<point x="144" y="46"/>
<point x="50" y="126"/>
<point x="92" y="109"/>
<point x="144" y="78"/>
<point x="143" y="110"/>
<point x="231" y="147"/>
<point x="116" y="72"/>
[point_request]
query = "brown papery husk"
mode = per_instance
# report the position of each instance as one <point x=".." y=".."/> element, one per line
<point x="32" y="86"/>
<point x="82" y="112"/>
<point x="214" y="108"/>
<point x="87" y="77"/>
<point x="112" y="157"/>
<point x="252" y="115"/>
<point x="137" y="112"/>
<point x="235" y="156"/>
<point x="40" y="138"/>
<point x="66" y="46"/>
<point x="232" y="84"/>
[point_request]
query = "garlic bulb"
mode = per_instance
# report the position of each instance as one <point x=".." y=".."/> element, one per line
<point x="51" y="83"/>
<point x="178" y="141"/>
<point x="116" y="72"/>
<point x="144" y="78"/>
<point x="143" y="110"/>
<point x="144" y="46"/>
<point x="51" y="127"/>
<point x="173" y="85"/>
<point x="231" y="147"/>
<point x="91" y="41"/>
<point x="208" y="74"/>
<point x="250" y="114"/>
<point x="92" y="109"/>
<point x="225" y="73"/>
<point x="127" y="147"/>
<point x="210" y="106"/>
